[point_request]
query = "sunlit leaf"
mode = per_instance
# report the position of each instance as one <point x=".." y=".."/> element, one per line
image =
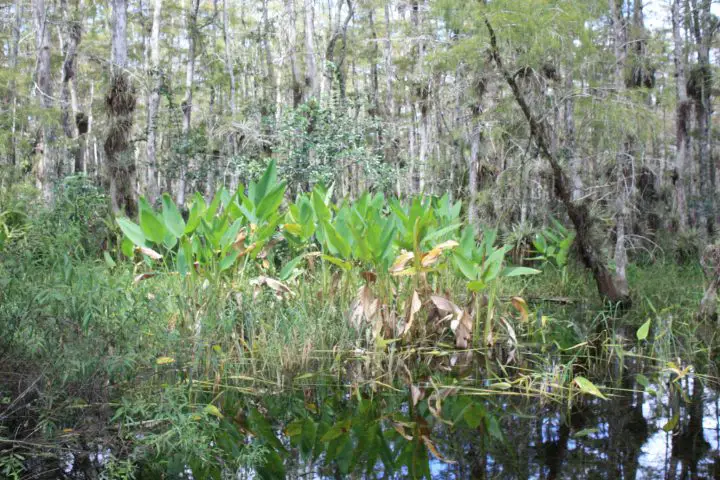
<point x="164" y="360"/>
<point x="586" y="386"/>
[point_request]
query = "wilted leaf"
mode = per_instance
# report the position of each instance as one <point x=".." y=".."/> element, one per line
<point x="521" y="307"/>
<point x="276" y="285"/>
<point x="586" y="386"/>
<point x="369" y="277"/>
<point x="430" y="446"/>
<point x="415" y="305"/>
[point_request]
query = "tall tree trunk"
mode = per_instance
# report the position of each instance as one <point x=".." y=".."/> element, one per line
<point x="296" y="85"/>
<point x="229" y="64"/>
<point x="682" y="120"/>
<point x="578" y="212"/>
<point x="622" y="199"/>
<point x="45" y="171"/>
<point x="156" y="76"/>
<point x="120" y="103"/>
<point x="187" y="103"/>
<point x="311" y="79"/>
<point x="389" y="110"/>
<point x="701" y="81"/>
<point x="68" y="99"/>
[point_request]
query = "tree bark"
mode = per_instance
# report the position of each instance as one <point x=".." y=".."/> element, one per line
<point x="703" y="29"/>
<point x="45" y="171"/>
<point x="156" y="77"/>
<point x="578" y="212"/>
<point x="682" y="120"/>
<point x="120" y="103"/>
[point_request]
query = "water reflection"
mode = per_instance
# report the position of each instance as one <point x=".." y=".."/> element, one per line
<point x="664" y="430"/>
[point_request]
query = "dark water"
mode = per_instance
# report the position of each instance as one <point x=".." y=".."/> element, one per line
<point x="664" y="429"/>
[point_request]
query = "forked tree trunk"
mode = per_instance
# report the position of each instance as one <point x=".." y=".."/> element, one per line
<point x="577" y="211"/>
<point x="120" y="104"/>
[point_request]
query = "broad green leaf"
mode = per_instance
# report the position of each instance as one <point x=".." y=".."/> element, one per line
<point x="270" y="203"/>
<point x="172" y="217"/>
<point x="152" y="226"/>
<point x="132" y="231"/>
<point x="266" y="183"/>
<point x="229" y="260"/>
<point x="197" y="210"/>
<point x="336" y="241"/>
<point x="289" y="267"/>
<point x="465" y="266"/>
<point x="336" y="261"/>
<point x="643" y="331"/>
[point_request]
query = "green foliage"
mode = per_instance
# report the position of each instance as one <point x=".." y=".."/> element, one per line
<point x="321" y="144"/>
<point x="553" y="246"/>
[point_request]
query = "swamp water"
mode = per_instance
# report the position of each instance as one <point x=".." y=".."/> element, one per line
<point x="667" y="428"/>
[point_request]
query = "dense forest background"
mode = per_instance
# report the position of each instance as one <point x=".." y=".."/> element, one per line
<point x="523" y="109"/>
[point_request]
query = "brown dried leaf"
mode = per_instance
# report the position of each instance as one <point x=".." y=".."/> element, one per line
<point x="415" y="306"/>
<point x="369" y="277"/>
<point x="143" y="276"/>
<point x="444" y="305"/>
<point x="462" y="327"/>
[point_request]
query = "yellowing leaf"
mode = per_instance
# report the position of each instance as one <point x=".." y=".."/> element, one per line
<point x="211" y="409"/>
<point x="293" y="228"/>
<point x="401" y="261"/>
<point x="586" y="386"/>
<point x="164" y="360"/>
<point x="431" y="257"/>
